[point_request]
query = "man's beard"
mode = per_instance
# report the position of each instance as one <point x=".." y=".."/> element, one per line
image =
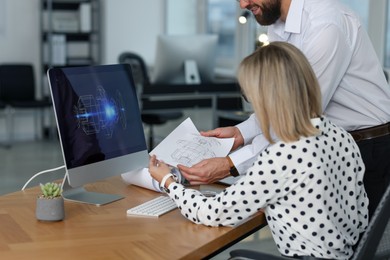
<point x="270" y="13"/>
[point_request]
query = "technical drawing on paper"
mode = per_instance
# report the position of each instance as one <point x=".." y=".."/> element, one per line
<point x="99" y="113"/>
<point x="186" y="146"/>
<point x="194" y="150"/>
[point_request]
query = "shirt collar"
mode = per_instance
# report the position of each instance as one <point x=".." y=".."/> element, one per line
<point x="294" y="16"/>
<point x="293" y="20"/>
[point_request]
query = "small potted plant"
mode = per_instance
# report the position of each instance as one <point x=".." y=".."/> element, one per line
<point x="50" y="204"/>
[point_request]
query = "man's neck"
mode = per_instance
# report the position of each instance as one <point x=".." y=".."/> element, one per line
<point x="285" y="6"/>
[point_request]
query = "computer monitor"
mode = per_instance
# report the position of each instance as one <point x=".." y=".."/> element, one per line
<point x="185" y="59"/>
<point x="99" y="126"/>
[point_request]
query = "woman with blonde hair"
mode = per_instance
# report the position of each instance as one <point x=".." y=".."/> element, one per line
<point x="309" y="181"/>
<point x="287" y="96"/>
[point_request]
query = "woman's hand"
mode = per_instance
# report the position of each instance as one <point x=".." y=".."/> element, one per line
<point x="158" y="169"/>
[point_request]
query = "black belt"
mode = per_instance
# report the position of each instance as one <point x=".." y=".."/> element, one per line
<point x="372" y="132"/>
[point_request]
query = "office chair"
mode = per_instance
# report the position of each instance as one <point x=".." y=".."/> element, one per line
<point x="374" y="244"/>
<point x="3" y="107"/>
<point x="17" y="91"/>
<point x="141" y="79"/>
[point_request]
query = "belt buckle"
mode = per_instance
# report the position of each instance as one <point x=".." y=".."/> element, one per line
<point x="357" y="137"/>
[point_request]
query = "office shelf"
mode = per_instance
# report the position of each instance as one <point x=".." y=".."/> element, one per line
<point x="70" y="35"/>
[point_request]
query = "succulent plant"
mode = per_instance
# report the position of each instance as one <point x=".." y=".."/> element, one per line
<point x="51" y="190"/>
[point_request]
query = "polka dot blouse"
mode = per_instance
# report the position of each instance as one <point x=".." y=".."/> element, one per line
<point x="311" y="191"/>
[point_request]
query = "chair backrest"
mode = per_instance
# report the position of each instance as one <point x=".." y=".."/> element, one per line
<point x="383" y="250"/>
<point x="375" y="242"/>
<point x="17" y="82"/>
<point x="139" y="71"/>
<point x="138" y="67"/>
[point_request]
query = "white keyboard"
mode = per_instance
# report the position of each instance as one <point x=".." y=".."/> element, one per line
<point x="153" y="208"/>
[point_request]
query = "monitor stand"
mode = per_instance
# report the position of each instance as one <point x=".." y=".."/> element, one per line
<point x="79" y="194"/>
<point x="191" y="72"/>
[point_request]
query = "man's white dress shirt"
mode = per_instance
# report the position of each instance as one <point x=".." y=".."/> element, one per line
<point x="354" y="88"/>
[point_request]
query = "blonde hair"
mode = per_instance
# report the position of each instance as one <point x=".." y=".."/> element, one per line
<point x="284" y="92"/>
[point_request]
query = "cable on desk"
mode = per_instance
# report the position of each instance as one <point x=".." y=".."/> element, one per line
<point x="42" y="172"/>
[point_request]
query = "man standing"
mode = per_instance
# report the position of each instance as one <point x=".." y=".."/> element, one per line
<point x="355" y="94"/>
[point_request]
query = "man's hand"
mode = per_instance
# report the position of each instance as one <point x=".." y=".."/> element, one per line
<point x="226" y="132"/>
<point x="206" y="171"/>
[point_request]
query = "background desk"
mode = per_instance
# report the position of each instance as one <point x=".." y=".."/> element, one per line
<point x="216" y="96"/>
<point x="90" y="232"/>
<point x="231" y="117"/>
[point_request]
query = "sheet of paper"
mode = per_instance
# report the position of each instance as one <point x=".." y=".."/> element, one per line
<point x="184" y="145"/>
<point x="141" y="178"/>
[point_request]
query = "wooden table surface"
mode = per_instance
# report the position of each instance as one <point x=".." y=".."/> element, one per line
<point x="106" y="232"/>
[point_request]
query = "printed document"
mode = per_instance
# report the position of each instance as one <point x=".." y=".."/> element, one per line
<point x="185" y="146"/>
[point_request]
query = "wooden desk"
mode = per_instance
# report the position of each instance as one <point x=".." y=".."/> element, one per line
<point x="90" y="232"/>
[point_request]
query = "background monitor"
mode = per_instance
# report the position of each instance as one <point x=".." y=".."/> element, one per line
<point x="185" y="59"/>
<point x="99" y="125"/>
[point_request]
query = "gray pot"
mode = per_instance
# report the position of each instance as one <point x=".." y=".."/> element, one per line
<point x="50" y="209"/>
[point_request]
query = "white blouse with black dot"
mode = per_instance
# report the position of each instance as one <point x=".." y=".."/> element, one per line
<point x="311" y="191"/>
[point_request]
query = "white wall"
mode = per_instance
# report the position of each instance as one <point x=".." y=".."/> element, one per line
<point x="20" y="36"/>
<point x="131" y="26"/>
<point x="181" y="16"/>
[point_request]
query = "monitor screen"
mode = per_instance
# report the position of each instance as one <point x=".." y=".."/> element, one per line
<point x="185" y="59"/>
<point x="99" y="122"/>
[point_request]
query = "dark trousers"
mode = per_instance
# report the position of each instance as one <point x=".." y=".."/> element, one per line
<point x="376" y="157"/>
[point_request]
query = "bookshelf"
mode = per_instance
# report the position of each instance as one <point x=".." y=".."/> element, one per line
<point x="70" y="35"/>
